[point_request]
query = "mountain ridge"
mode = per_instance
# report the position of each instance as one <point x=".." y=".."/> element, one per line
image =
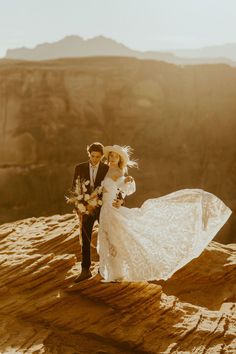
<point x="76" y="46"/>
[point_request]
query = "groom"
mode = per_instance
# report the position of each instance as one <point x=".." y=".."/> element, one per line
<point x="94" y="171"/>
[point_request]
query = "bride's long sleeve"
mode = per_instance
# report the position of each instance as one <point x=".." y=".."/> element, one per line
<point x="126" y="188"/>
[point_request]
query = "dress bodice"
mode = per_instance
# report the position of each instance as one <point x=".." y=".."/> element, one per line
<point x="111" y="188"/>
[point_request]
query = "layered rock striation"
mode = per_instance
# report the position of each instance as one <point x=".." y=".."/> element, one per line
<point x="42" y="310"/>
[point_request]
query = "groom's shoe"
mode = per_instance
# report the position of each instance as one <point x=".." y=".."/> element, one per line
<point x="85" y="274"/>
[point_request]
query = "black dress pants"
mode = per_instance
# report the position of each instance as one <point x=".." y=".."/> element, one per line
<point x="87" y="228"/>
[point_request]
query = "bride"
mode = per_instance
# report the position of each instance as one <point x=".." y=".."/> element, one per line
<point x="155" y="240"/>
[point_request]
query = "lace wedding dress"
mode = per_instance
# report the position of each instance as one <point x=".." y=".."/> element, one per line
<point x="160" y="237"/>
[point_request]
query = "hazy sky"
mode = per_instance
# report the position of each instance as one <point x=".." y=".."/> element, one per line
<point x="140" y="24"/>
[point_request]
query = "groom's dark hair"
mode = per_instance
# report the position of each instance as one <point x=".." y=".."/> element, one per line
<point x="98" y="147"/>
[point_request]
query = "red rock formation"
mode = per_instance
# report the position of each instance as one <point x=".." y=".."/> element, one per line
<point x="43" y="311"/>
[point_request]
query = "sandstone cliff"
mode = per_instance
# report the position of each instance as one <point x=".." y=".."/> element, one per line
<point x="42" y="311"/>
<point x="180" y="121"/>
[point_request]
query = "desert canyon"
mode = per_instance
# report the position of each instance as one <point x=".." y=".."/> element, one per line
<point x="180" y="120"/>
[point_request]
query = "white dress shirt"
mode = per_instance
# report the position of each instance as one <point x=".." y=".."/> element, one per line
<point x="93" y="173"/>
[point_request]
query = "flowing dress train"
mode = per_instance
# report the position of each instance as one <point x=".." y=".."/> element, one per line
<point x="160" y="237"/>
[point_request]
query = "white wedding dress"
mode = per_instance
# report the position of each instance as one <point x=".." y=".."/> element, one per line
<point x="160" y="237"/>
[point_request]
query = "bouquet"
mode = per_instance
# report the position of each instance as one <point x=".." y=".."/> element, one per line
<point x="84" y="202"/>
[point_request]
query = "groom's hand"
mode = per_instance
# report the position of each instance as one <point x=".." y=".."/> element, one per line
<point x="117" y="203"/>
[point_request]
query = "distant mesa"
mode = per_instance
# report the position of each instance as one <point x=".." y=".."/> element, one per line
<point x="75" y="46"/>
<point x="71" y="46"/>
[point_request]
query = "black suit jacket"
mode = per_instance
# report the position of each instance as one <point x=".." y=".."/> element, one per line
<point x="82" y="170"/>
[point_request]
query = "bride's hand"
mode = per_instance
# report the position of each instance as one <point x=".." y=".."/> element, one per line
<point x="117" y="203"/>
<point x="128" y="179"/>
